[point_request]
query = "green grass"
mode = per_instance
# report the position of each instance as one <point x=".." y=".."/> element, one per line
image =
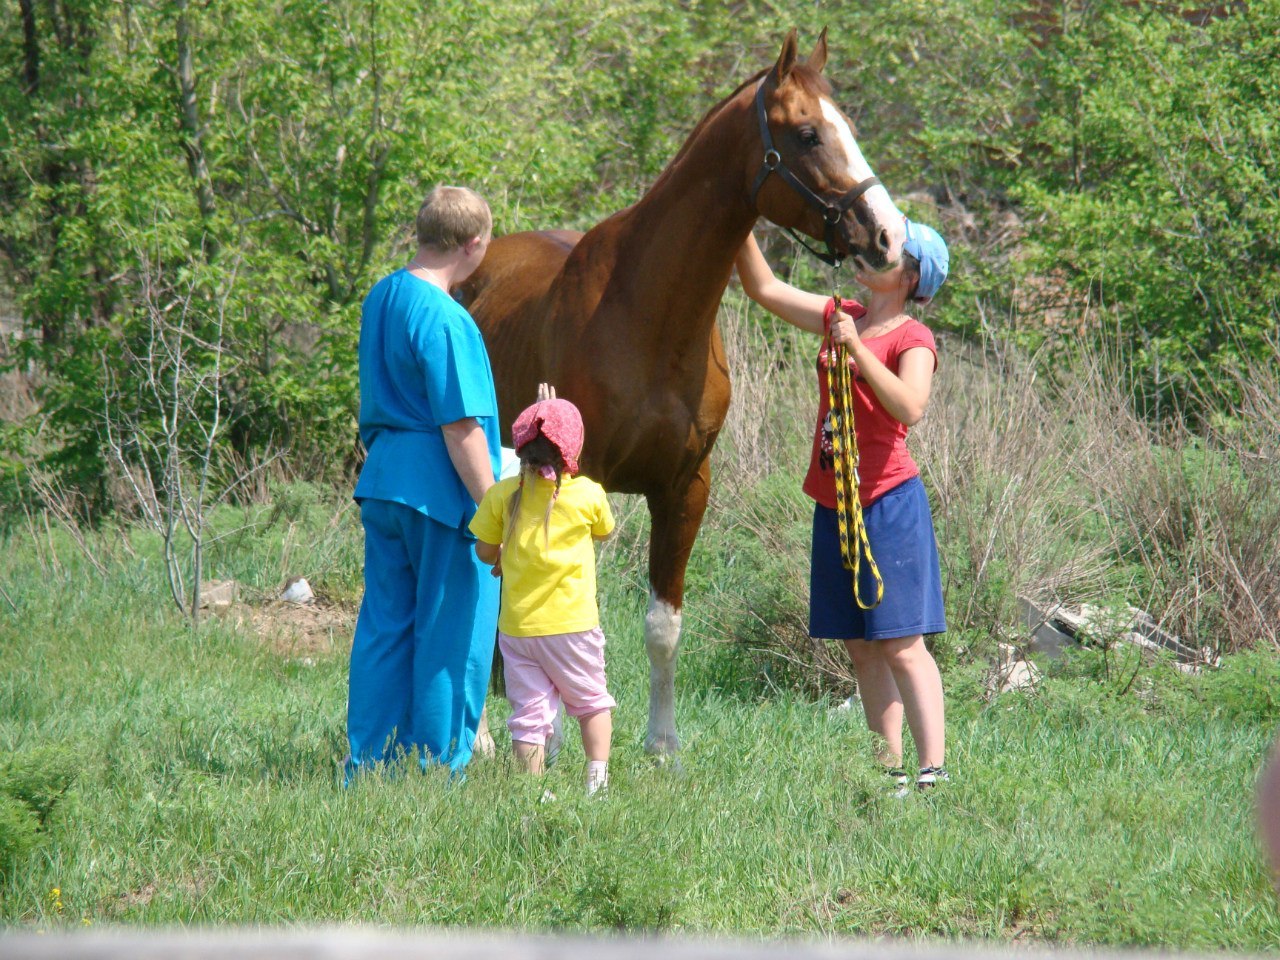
<point x="1093" y="811"/>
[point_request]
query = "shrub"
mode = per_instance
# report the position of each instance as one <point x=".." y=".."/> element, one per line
<point x="31" y="784"/>
<point x="19" y="833"/>
<point x="39" y="778"/>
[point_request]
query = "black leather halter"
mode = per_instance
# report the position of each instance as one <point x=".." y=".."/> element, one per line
<point x="832" y="211"/>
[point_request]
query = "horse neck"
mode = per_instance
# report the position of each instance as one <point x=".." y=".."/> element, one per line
<point x="688" y="228"/>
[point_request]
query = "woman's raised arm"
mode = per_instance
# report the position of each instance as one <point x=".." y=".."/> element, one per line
<point x="797" y="307"/>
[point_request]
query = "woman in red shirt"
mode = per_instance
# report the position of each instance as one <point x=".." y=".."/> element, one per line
<point x="893" y="358"/>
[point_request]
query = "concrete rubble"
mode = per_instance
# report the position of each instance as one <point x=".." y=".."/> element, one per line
<point x="1055" y="629"/>
<point x="219" y="596"/>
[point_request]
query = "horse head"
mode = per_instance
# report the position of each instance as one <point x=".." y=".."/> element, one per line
<point x="813" y="177"/>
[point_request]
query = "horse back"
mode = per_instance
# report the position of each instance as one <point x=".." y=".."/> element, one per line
<point x="507" y="296"/>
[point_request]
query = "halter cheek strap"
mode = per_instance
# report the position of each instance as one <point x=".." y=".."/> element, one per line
<point x="832" y="211"/>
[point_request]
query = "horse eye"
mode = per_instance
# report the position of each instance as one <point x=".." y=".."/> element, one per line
<point x="809" y="137"/>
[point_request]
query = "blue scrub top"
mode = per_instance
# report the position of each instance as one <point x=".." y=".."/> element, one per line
<point x="422" y="364"/>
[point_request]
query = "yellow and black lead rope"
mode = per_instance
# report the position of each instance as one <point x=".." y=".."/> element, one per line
<point x="844" y="442"/>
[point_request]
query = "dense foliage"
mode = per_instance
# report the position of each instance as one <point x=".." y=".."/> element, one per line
<point x="1162" y="188"/>
<point x="258" y="164"/>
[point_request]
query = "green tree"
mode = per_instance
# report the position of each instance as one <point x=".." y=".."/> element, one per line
<point x="1111" y="149"/>
<point x="1157" y="188"/>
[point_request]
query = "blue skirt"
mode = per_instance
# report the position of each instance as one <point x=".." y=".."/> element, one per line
<point x="900" y="528"/>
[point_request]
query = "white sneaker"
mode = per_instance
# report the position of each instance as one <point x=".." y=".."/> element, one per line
<point x="597" y="778"/>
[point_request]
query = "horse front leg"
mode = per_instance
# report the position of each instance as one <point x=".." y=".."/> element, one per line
<point x="676" y="515"/>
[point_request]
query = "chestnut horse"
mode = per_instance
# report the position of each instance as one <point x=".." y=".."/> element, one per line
<point x="622" y="319"/>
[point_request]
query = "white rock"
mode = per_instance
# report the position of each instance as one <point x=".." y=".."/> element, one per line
<point x="298" y="590"/>
<point x="1022" y="675"/>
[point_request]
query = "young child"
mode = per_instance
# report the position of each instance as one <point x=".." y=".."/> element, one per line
<point x="893" y="358"/>
<point x="539" y="529"/>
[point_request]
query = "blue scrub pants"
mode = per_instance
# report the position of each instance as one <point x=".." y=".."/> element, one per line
<point x="424" y="641"/>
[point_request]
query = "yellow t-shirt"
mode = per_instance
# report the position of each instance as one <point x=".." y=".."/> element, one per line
<point x="548" y="580"/>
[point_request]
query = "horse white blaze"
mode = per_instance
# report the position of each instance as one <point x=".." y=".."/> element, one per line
<point x="882" y="206"/>
<point x="661" y="641"/>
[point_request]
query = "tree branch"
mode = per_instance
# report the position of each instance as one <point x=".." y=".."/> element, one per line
<point x="192" y="128"/>
<point x="30" y="49"/>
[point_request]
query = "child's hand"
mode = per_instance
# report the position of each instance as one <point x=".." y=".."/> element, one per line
<point x="546" y="392"/>
<point x="490" y="553"/>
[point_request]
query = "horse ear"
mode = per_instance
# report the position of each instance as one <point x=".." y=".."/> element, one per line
<point x="818" y="59"/>
<point x="786" y="59"/>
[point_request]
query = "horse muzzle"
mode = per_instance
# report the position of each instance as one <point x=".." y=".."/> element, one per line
<point x="867" y="238"/>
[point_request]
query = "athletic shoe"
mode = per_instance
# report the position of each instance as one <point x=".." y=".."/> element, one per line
<point x="930" y="777"/>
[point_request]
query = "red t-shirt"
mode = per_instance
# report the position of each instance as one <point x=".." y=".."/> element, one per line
<point x="883" y="460"/>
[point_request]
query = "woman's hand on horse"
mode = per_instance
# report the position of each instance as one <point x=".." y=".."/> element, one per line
<point x="546" y="392"/>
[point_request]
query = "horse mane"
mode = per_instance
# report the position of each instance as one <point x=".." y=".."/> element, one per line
<point x="810" y="80"/>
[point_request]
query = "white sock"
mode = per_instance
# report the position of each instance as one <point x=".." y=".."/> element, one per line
<point x="597" y="775"/>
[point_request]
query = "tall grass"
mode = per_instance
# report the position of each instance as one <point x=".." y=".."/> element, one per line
<point x="1080" y="500"/>
<point x="1109" y="805"/>
<point x="1045" y="485"/>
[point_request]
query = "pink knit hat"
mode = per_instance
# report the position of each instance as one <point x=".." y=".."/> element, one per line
<point x="557" y="420"/>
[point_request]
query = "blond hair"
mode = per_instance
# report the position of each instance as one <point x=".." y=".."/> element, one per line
<point x="450" y="216"/>
<point x="537" y="453"/>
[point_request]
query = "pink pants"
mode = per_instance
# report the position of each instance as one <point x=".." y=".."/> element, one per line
<point x="542" y="670"/>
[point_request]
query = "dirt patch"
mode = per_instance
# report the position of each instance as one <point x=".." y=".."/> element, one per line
<point x="136" y="898"/>
<point x="294" y="630"/>
<point x="184" y="888"/>
<point x="318" y="627"/>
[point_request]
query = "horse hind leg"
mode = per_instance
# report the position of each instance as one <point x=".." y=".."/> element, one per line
<point x="676" y="516"/>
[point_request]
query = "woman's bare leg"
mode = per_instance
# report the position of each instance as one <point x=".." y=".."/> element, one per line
<point x="920" y="686"/>
<point x="881" y="702"/>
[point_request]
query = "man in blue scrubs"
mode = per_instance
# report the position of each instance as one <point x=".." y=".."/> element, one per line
<point x="424" y="639"/>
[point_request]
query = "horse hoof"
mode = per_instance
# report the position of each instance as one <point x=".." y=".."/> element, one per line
<point x="665" y="753"/>
<point x="552" y="753"/>
<point x="662" y="745"/>
<point x="555" y="742"/>
<point x="668" y="763"/>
